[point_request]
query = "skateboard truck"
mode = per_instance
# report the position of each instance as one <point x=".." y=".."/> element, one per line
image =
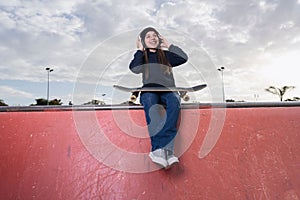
<point x="184" y="95"/>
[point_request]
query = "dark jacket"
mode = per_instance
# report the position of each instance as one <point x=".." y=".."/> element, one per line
<point x="157" y="76"/>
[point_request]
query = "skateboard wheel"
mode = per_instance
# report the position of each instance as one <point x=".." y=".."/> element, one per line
<point x="132" y="98"/>
<point x="186" y="98"/>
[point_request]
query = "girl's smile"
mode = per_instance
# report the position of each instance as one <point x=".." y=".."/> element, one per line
<point x="152" y="40"/>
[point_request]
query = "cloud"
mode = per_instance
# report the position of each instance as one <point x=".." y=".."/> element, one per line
<point x="65" y="35"/>
<point x="7" y="91"/>
<point x="34" y="37"/>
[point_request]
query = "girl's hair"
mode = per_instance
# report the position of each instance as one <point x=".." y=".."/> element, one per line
<point x="165" y="66"/>
<point x="161" y="57"/>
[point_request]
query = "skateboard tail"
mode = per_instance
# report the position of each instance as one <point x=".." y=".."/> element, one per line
<point x="199" y="87"/>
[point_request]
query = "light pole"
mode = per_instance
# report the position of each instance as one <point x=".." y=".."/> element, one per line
<point x="256" y="96"/>
<point x="221" y="69"/>
<point x="48" y="70"/>
<point x="103" y="95"/>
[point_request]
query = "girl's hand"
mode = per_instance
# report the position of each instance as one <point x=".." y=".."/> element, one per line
<point x="139" y="44"/>
<point x="164" y="42"/>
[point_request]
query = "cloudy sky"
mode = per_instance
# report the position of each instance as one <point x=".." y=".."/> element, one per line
<point x="90" y="43"/>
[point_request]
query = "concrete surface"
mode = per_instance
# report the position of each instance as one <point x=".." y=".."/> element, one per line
<point x="102" y="154"/>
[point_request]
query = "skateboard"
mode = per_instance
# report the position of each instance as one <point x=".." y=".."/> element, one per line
<point x="182" y="90"/>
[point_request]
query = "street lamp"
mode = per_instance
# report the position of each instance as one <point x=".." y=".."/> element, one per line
<point x="103" y="95"/>
<point x="221" y="69"/>
<point x="48" y="70"/>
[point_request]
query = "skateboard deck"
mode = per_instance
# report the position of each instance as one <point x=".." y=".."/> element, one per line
<point x="182" y="90"/>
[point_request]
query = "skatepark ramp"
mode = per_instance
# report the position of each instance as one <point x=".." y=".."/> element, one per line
<point x="233" y="151"/>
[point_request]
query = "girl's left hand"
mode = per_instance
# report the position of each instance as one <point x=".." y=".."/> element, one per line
<point x="164" y="42"/>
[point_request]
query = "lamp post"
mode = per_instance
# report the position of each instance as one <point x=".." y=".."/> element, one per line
<point x="221" y="69"/>
<point x="256" y="96"/>
<point x="103" y="95"/>
<point x="48" y="70"/>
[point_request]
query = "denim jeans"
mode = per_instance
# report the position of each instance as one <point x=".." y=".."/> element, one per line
<point x="161" y="122"/>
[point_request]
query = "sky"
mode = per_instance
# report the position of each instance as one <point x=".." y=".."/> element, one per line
<point x="89" y="45"/>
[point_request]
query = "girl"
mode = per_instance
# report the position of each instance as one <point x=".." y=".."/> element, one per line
<point x="156" y="65"/>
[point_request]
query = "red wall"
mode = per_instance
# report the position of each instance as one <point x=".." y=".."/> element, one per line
<point x="102" y="154"/>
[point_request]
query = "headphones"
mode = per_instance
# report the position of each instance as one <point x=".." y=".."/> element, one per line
<point x="143" y="41"/>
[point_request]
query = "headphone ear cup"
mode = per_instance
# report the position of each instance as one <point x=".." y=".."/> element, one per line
<point x="143" y="42"/>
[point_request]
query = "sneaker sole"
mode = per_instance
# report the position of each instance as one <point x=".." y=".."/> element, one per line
<point x="172" y="162"/>
<point x="159" y="161"/>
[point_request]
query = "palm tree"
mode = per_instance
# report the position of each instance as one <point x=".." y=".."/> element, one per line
<point x="2" y="103"/>
<point x="279" y="91"/>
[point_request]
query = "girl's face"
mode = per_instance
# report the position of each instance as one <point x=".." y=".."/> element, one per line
<point x="151" y="40"/>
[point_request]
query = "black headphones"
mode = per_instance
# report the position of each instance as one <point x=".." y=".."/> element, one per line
<point x="143" y="41"/>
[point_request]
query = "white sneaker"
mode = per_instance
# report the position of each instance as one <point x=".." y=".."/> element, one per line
<point x="159" y="157"/>
<point x="171" y="158"/>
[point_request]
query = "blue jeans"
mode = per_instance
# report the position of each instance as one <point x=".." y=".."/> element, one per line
<point x="161" y="122"/>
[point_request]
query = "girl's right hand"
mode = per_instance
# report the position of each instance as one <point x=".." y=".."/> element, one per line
<point x="139" y="44"/>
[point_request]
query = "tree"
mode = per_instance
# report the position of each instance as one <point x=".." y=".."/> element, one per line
<point x="95" y="102"/>
<point x="279" y="91"/>
<point x="40" y="102"/>
<point x="293" y="99"/>
<point x="55" y="102"/>
<point x="43" y="102"/>
<point x="2" y="103"/>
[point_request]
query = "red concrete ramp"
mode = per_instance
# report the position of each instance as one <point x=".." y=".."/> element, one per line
<point x="102" y="154"/>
